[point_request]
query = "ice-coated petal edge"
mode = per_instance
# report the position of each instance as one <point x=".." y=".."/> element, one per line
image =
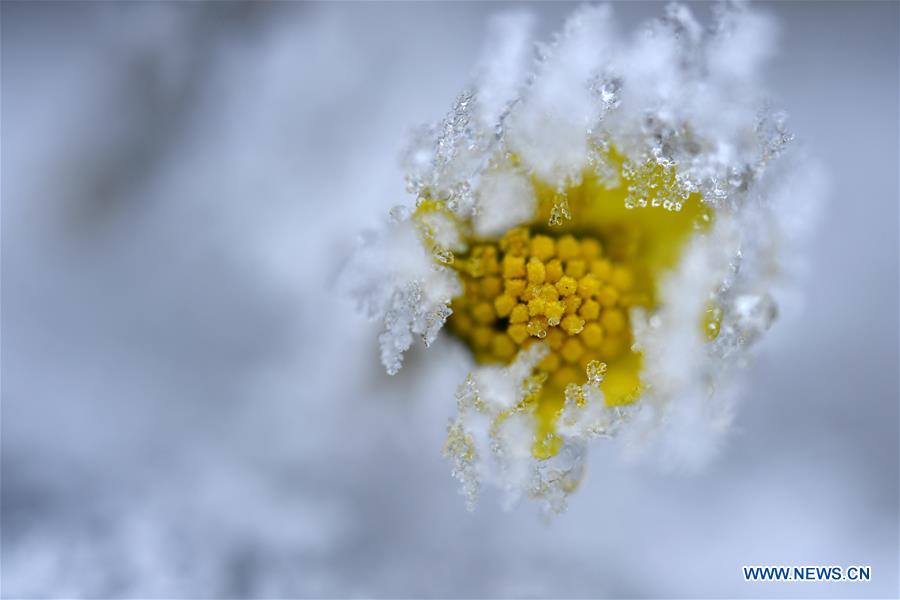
<point x="394" y="278"/>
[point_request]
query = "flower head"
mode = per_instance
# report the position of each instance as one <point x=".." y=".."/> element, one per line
<point x="602" y="227"/>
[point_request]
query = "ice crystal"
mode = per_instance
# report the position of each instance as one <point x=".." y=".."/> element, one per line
<point x="560" y="211"/>
<point x="406" y="315"/>
<point x="395" y="279"/>
<point x="460" y="448"/>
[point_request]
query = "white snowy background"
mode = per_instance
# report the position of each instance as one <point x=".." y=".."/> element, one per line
<point x="191" y="410"/>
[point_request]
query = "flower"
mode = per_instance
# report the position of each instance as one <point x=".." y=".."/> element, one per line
<point x="604" y="228"/>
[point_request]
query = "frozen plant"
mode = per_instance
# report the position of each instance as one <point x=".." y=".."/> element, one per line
<point x="605" y="224"/>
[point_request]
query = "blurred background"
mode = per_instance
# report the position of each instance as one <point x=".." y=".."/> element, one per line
<point x="190" y="408"/>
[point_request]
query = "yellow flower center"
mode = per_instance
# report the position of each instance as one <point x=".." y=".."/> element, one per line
<point x="570" y="278"/>
<point x="558" y="289"/>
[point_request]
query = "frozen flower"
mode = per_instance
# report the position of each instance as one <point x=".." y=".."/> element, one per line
<point x="604" y="227"/>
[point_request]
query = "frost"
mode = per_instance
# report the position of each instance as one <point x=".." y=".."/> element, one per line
<point x="684" y="107"/>
<point x="502" y="73"/>
<point x="753" y="314"/>
<point x="408" y="313"/>
<point x="549" y="127"/>
<point x="460" y="448"/>
<point x="491" y="438"/>
<point x="505" y="199"/>
<point x="560" y="211"/>
<point x="554" y="479"/>
<point x="585" y="415"/>
<point x="481" y="445"/>
<point x="394" y="278"/>
<point x="774" y="136"/>
<point x="444" y="157"/>
<point x="654" y="182"/>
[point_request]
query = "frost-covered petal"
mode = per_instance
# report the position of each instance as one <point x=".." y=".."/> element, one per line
<point x="549" y="128"/>
<point x="394" y="278"/>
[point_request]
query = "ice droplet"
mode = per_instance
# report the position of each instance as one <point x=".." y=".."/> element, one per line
<point x="534" y="383"/>
<point x="459" y="447"/>
<point x="560" y="210"/>
<point x="704" y="217"/>
<point x="712" y="321"/>
<point x="574" y="395"/>
<point x="399" y="213"/>
<point x="536" y="329"/>
<point x="443" y="255"/>
<point x="596" y="371"/>
<point x="755" y="313"/>
<point x="434" y="321"/>
<point x="772" y="132"/>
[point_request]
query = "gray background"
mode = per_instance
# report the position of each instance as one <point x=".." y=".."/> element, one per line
<point x="190" y="409"/>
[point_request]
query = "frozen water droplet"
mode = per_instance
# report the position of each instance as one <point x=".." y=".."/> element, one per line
<point x="399" y="213"/>
<point x="755" y="313"/>
<point x="703" y="218"/>
<point x="533" y="385"/>
<point x="596" y="371"/>
<point x="555" y="217"/>
<point x="560" y="209"/>
<point x="574" y="395"/>
<point x="578" y="328"/>
<point x="443" y="255"/>
<point x="536" y="329"/>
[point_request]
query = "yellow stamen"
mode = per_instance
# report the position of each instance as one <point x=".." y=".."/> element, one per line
<point x="566" y="286"/>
